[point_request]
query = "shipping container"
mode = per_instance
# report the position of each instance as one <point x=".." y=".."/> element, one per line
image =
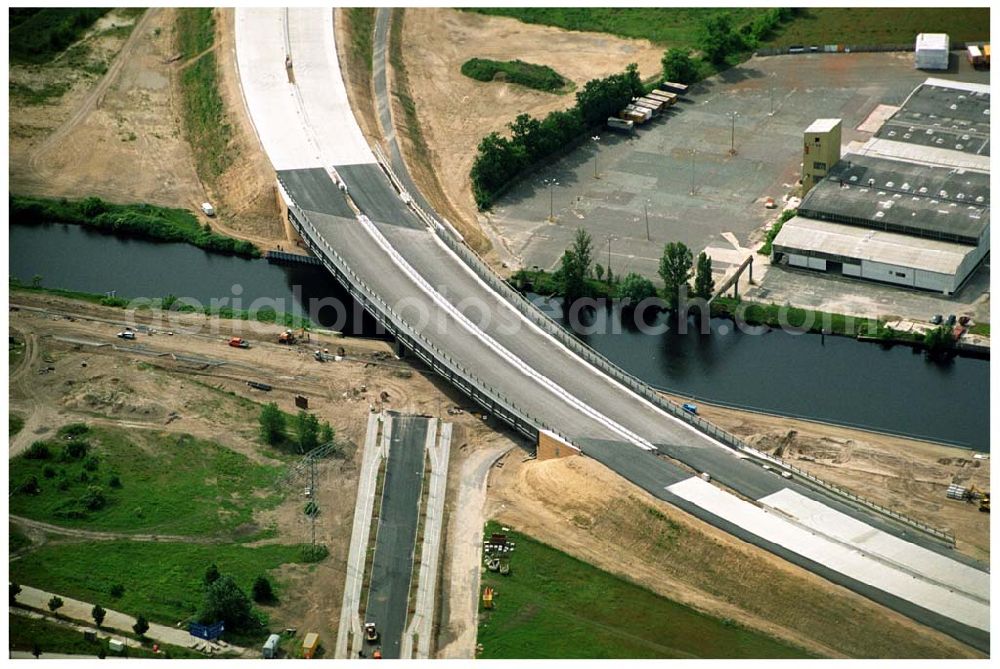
<point x="680" y="89"/>
<point x="623" y="125"/>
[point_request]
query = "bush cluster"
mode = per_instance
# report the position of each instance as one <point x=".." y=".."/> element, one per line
<point x="539" y="77"/>
<point x="36" y="35"/>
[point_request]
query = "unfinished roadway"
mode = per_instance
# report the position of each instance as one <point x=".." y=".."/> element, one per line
<point x="396" y="262"/>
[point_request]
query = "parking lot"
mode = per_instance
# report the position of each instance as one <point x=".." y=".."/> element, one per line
<point x="679" y="165"/>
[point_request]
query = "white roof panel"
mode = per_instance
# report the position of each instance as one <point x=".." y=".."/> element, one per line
<point x="850" y="241"/>
<point x="933" y="41"/>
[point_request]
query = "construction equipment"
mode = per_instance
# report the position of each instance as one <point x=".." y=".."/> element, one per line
<point x="493" y="564"/>
<point x="377" y="655"/>
<point x="309" y="645"/>
<point x="287" y="337"/>
<point x="488" y="597"/>
<point x="371" y="634"/>
<point x="505" y="566"/>
<point x="984" y="503"/>
<point x="238" y="342"/>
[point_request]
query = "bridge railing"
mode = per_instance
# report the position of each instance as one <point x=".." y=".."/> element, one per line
<point x="494" y="401"/>
<point x="450" y="237"/>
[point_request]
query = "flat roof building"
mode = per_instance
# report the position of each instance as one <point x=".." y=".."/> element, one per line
<point x="912" y="207"/>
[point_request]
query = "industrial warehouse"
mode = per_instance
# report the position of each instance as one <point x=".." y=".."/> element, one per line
<point x="910" y="206"/>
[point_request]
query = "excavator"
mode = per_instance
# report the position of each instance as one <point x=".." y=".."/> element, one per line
<point x="290" y="337"/>
<point x="974" y="494"/>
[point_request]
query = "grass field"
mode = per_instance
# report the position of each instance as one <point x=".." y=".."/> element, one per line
<point x="679" y="27"/>
<point x="16" y="539"/>
<point x="205" y="123"/>
<point x="884" y="25"/>
<point x="676" y="27"/>
<point x="539" y="77"/>
<point x="38" y="35"/>
<point x="555" y="606"/>
<point x="162" y="581"/>
<point x="52" y="637"/>
<point x="362" y="31"/>
<point x="170" y="484"/>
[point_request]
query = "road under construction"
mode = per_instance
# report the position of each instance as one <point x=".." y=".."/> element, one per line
<point x="409" y="269"/>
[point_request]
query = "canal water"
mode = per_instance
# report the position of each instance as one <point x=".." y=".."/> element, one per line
<point x="838" y="380"/>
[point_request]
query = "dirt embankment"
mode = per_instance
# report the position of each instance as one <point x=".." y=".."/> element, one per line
<point x="909" y="476"/>
<point x="456" y="112"/>
<point x="120" y="136"/>
<point x="580" y="507"/>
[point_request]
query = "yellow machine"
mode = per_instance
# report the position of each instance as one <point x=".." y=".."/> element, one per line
<point x="984" y="503"/>
<point x="488" y="598"/>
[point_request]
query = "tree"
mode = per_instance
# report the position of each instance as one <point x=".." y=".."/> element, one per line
<point x="599" y="271"/>
<point x="225" y="601"/>
<point x="98" y="613"/>
<point x="635" y="289"/>
<point x="55" y="603"/>
<point x="325" y="433"/>
<point x="675" y="270"/>
<point x="583" y="249"/>
<point x="36" y="650"/>
<point x="306" y="431"/>
<point x="101" y="653"/>
<point x="272" y="424"/>
<point x="13" y="591"/>
<point x="704" y="284"/>
<point x="718" y="40"/>
<point x="212" y="574"/>
<point x="678" y="67"/>
<point x="141" y="626"/>
<point x="262" y="591"/>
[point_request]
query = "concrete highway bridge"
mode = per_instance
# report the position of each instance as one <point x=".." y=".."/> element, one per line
<point x="412" y="271"/>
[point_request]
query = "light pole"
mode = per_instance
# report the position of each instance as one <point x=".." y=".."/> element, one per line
<point x="645" y="213"/>
<point x="691" y="192"/>
<point x="610" y="237"/>
<point x="550" y="183"/>
<point x="732" y="137"/>
<point x="770" y="87"/>
<point x="596" y="138"/>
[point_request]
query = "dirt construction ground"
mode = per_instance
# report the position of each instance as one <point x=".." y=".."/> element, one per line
<point x="120" y="136"/>
<point x="68" y="370"/>
<point x="456" y="112"/>
<point x="578" y="506"/>
<point x="904" y="474"/>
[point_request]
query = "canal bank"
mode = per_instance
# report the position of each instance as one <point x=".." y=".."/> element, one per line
<point x="836" y="380"/>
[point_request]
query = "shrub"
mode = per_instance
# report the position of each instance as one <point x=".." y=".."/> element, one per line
<point x="74" y="430"/>
<point x="141" y="626"/>
<point x="262" y="591"/>
<point x="94" y="499"/>
<point x="75" y="450"/>
<point x="539" y="77"/>
<point x="117" y="590"/>
<point x="29" y="486"/>
<point x="115" y="481"/>
<point x="91" y="463"/>
<point x="38" y="451"/>
<point x="55" y="603"/>
<point x="49" y="472"/>
<point x="313" y="553"/>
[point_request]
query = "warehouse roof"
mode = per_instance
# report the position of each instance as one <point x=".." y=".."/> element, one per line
<point x="810" y="236"/>
<point x="902" y="197"/>
<point x="945" y="115"/>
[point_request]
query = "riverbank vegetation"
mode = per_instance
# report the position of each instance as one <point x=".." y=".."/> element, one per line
<point x="168" y="303"/>
<point x="133" y="220"/>
<point x="538" y="77"/>
<point x="552" y="605"/>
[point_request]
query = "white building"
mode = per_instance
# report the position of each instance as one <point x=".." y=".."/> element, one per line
<point x="931" y="52"/>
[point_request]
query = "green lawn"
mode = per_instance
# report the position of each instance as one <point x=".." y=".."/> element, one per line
<point x="162" y="581"/>
<point x="170" y="484"/>
<point x="882" y="25"/>
<point x="555" y="606"/>
<point x="16" y="539"/>
<point x="677" y="27"/>
<point x="51" y="637"/>
<point x="361" y="21"/>
<point x="195" y="30"/>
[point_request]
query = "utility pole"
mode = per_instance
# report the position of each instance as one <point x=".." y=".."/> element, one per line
<point x="312" y="497"/>
<point x="645" y="212"/>
<point x="691" y="192"/>
<point x="596" y="138"/>
<point x="770" y="80"/>
<point x="550" y="183"/>
<point x="610" y="237"/>
<point x="732" y="138"/>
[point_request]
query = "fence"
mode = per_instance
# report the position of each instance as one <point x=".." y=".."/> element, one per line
<point x="845" y="48"/>
<point x="447" y="234"/>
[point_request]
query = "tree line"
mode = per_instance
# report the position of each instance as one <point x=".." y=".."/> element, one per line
<point x="578" y="276"/>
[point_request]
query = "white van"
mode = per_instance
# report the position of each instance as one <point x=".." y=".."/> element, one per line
<point x="207" y="209"/>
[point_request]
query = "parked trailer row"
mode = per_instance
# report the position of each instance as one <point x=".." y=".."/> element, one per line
<point x="644" y="108"/>
<point x="680" y="89"/>
<point x="623" y="125"/>
<point x="668" y="98"/>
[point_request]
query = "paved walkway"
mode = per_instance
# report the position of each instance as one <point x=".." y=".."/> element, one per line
<point x="74" y="608"/>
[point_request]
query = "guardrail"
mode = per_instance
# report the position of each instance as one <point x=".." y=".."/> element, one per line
<point x="447" y="234"/>
<point x="489" y="398"/>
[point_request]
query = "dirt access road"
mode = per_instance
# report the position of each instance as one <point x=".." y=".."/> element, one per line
<point x="456" y="112"/>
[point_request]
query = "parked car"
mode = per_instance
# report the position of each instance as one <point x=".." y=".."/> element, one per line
<point x="126" y="334"/>
<point x="690" y="408"/>
<point x="936" y="320"/>
<point x="951" y="320"/>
